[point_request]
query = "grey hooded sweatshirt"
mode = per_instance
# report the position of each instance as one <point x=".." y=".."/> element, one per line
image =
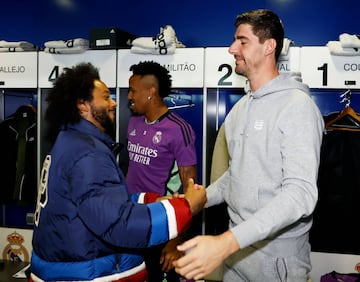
<point x="274" y="137"/>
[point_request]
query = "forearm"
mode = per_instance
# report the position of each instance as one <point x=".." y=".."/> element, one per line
<point x="214" y="192"/>
<point x="187" y="172"/>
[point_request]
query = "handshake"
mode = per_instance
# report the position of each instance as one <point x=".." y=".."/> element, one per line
<point x="195" y="194"/>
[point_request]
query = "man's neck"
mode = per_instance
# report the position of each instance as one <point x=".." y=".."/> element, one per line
<point x="261" y="78"/>
<point x="155" y="114"/>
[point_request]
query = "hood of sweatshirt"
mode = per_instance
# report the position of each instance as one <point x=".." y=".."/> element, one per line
<point x="280" y="86"/>
<point x="284" y="81"/>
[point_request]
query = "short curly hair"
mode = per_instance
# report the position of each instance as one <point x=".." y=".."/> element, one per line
<point x="73" y="84"/>
<point x="160" y="72"/>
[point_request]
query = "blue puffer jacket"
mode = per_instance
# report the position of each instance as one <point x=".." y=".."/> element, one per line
<point x="86" y="223"/>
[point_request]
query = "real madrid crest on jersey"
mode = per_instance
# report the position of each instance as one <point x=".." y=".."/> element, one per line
<point x="15" y="251"/>
<point x="157" y="137"/>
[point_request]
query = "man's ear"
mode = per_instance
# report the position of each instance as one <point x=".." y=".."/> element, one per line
<point x="152" y="91"/>
<point x="270" y="46"/>
<point x="82" y="106"/>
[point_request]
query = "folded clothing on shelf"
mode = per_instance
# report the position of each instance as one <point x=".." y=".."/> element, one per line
<point x="349" y="40"/>
<point x="74" y="50"/>
<point x="164" y="43"/>
<point x="68" y="46"/>
<point x="166" y="50"/>
<point x="348" y="45"/>
<point x="69" y="43"/>
<point x="337" y="49"/>
<point x="284" y="55"/>
<point x="17" y="46"/>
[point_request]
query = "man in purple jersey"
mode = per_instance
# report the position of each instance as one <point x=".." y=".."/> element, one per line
<point x="161" y="148"/>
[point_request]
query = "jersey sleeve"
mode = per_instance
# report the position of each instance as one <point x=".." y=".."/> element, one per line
<point x="183" y="144"/>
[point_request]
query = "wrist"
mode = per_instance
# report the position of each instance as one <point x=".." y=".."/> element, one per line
<point x="230" y="242"/>
<point x="189" y="203"/>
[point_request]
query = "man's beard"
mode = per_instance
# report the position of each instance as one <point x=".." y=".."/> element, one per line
<point x="101" y="116"/>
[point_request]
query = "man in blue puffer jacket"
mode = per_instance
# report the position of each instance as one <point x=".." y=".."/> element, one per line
<point x="87" y="226"/>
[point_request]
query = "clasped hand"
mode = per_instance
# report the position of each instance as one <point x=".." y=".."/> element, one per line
<point x="195" y="194"/>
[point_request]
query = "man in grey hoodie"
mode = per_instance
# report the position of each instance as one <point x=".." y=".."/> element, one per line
<point x="273" y="135"/>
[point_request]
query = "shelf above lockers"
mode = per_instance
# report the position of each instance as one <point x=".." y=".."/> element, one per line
<point x="190" y="67"/>
<point x="219" y="67"/>
<point x="18" y="81"/>
<point x="51" y="65"/>
<point x="18" y="70"/>
<point x="186" y="66"/>
<point x="320" y="69"/>
<point x="291" y="61"/>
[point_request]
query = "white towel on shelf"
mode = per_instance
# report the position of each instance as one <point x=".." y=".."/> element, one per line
<point x="168" y="50"/>
<point x="151" y="42"/>
<point x="337" y="49"/>
<point x="163" y="39"/>
<point x="70" y="43"/>
<point x="284" y="55"/>
<point x="17" y="44"/>
<point x="169" y="31"/>
<point x="73" y="50"/>
<point x="349" y="40"/>
<point x="17" y="49"/>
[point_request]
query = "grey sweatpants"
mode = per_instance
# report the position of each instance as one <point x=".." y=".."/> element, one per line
<point x="279" y="260"/>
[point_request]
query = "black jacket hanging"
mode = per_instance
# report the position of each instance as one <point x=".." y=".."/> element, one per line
<point x="18" y="164"/>
<point x="336" y="214"/>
